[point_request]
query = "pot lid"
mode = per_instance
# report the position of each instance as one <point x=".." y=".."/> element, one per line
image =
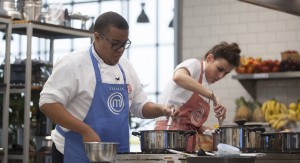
<point x="241" y="123"/>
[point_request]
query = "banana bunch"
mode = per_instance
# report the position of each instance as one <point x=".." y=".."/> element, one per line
<point x="276" y="114"/>
<point x="294" y="111"/>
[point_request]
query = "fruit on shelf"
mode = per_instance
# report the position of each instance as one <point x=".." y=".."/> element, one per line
<point x="290" y="54"/>
<point x="257" y="65"/>
<point x="289" y="65"/>
<point x="276" y="114"/>
<point x="279" y="116"/>
<point x="292" y="106"/>
<point x="257" y="115"/>
<point x="243" y="112"/>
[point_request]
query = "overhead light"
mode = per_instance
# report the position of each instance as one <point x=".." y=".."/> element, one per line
<point x="4" y="37"/>
<point x="143" y="18"/>
<point x="171" y="23"/>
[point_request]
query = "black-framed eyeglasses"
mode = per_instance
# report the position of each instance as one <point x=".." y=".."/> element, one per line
<point x="116" y="45"/>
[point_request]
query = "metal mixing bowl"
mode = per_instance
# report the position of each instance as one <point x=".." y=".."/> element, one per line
<point x="101" y="151"/>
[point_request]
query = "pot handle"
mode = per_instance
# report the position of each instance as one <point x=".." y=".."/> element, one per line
<point x="189" y="133"/>
<point x="240" y="122"/>
<point x="261" y="129"/>
<point x="218" y="130"/>
<point x="135" y="133"/>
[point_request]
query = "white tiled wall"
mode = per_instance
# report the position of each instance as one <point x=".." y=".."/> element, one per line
<point x="259" y="32"/>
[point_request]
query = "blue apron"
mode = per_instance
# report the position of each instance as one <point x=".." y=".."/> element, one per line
<point x="107" y="115"/>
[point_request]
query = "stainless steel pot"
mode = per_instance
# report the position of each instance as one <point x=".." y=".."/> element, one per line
<point x="291" y="142"/>
<point x="43" y="143"/>
<point x="216" y="139"/>
<point x="153" y="141"/>
<point x="245" y="137"/>
<point x="271" y="142"/>
<point x="253" y="139"/>
<point x="233" y="135"/>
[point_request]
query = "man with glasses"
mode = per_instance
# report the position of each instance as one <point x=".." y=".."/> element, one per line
<point x="92" y="104"/>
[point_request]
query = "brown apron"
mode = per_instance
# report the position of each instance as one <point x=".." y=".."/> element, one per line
<point x="191" y="117"/>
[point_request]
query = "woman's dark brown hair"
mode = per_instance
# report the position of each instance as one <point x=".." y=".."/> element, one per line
<point x="229" y="52"/>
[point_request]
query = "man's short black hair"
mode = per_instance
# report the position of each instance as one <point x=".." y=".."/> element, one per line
<point x="110" y="19"/>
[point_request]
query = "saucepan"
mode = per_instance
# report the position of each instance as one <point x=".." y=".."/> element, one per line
<point x="245" y="137"/>
<point x="291" y="142"/>
<point x="155" y="141"/>
<point x="271" y="142"/>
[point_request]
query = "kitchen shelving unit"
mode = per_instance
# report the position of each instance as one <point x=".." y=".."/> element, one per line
<point x="6" y="21"/>
<point x="40" y="30"/>
<point x="249" y="81"/>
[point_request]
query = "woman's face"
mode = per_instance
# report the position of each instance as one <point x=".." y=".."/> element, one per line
<point x="216" y="69"/>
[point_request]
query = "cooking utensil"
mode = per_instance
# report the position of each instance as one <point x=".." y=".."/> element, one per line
<point x="153" y="141"/>
<point x="246" y="138"/>
<point x="233" y="135"/>
<point x="32" y="10"/>
<point x="101" y="151"/>
<point x="169" y="123"/>
<point x="220" y="121"/>
<point x="179" y="152"/>
<point x="271" y="142"/>
<point x="170" y="119"/>
<point x="253" y="139"/>
<point x="291" y="142"/>
<point x="216" y="139"/>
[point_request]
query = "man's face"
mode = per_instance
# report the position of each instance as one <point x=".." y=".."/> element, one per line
<point x="110" y="46"/>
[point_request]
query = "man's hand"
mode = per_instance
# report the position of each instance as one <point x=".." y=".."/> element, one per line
<point x="90" y="136"/>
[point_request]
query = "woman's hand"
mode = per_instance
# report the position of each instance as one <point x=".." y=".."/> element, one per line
<point x="175" y="111"/>
<point x="220" y="111"/>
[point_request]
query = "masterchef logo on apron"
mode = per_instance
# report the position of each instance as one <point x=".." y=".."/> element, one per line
<point x="115" y="103"/>
<point x="197" y="115"/>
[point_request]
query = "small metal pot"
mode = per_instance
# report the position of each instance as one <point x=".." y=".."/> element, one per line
<point x="233" y="135"/>
<point x="271" y="142"/>
<point x="245" y="137"/>
<point x="43" y="143"/>
<point x="215" y="139"/>
<point x="291" y="142"/>
<point x="253" y="139"/>
<point x="154" y="141"/>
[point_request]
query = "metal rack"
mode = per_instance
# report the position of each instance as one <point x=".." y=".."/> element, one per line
<point x="41" y="30"/>
<point x="6" y="21"/>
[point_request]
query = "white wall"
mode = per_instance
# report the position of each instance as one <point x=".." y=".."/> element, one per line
<point x="259" y="32"/>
